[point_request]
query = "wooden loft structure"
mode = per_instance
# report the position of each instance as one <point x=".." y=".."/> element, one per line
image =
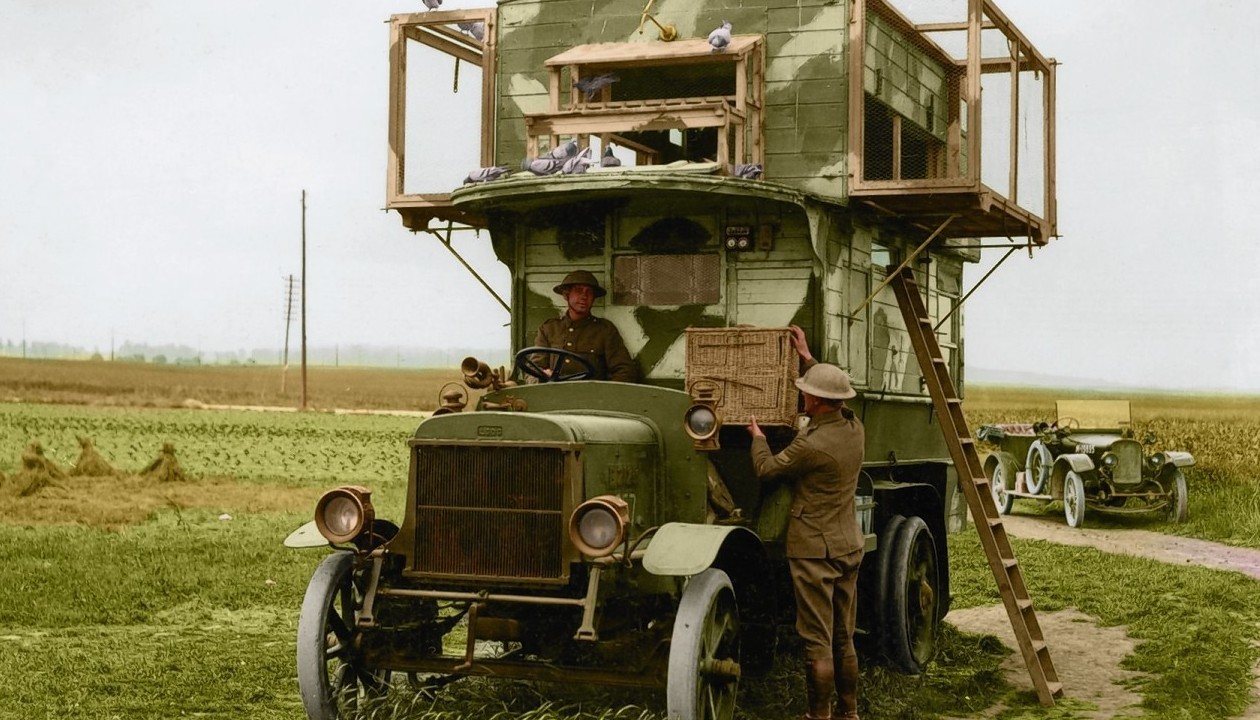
<point x="736" y="116"/>
<point x="916" y="124"/>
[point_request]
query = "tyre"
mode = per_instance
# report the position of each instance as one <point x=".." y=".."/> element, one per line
<point x="1037" y="466"/>
<point x="1000" y="481"/>
<point x="704" y="667"/>
<point x="911" y="621"/>
<point x="883" y="587"/>
<point x="331" y="676"/>
<point x="1074" y="499"/>
<point x="1177" y="499"/>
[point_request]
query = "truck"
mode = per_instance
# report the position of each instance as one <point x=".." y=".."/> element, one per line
<point x="723" y="186"/>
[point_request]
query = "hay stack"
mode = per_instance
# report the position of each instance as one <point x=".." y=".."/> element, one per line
<point x="90" y="462"/>
<point x="165" y="468"/>
<point x="37" y="473"/>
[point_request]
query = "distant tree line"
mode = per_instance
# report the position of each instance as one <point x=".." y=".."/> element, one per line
<point x="353" y="355"/>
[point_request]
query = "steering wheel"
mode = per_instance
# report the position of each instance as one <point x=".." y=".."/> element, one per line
<point x="532" y="369"/>
<point x="1067" y="423"/>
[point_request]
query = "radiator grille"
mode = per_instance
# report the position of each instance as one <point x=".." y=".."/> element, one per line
<point x="1129" y="468"/>
<point x="490" y="511"/>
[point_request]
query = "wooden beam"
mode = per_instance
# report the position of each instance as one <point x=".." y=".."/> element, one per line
<point x="975" y="17"/>
<point x="1049" y="108"/>
<point x="1013" y="187"/>
<point x="857" y="93"/>
<point x="443" y="45"/>
<point x="395" y="162"/>
<point x="997" y="17"/>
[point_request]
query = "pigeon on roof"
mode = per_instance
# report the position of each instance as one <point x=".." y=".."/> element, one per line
<point x="432" y="4"/>
<point x="577" y="164"/>
<point x="545" y="165"/>
<point x="475" y="28"/>
<point x="565" y="151"/>
<point x="485" y="174"/>
<point x="748" y="171"/>
<point x="609" y="160"/>
<point x="591" y="85"/>
<point x="721" y="37"/>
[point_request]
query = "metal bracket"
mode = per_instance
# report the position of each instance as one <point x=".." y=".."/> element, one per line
<point x="366" y="618"/>
<point x="446" y="243"/>
<point x="587" y="629"/>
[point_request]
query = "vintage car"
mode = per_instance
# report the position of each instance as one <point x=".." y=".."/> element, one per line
<point x="1087" y="458"/>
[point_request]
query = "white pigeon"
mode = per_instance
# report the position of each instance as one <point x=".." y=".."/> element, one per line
<point x="719" y="38"/>
<point x="432" y="4"/>
<point x="609" y="160"/>
<point x="748" y="171"/>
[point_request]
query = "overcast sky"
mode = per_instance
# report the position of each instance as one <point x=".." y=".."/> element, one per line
<point x="153" y="153"/>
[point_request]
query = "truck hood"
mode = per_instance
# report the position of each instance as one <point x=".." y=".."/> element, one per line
<point x="547" y="427"/>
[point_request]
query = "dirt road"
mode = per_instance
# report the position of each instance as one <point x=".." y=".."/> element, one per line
<point x="1087" y="656"/>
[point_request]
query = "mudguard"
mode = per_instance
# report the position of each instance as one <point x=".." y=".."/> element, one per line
<point x="1075" y="461"/>
<point x="306" y="536"/>
<point x="1179" y="459"/>
<point x="689" y="548"/>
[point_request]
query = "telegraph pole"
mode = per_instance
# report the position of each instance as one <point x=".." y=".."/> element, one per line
<point x="288" y="320"/>
<point x="304" y="299"/>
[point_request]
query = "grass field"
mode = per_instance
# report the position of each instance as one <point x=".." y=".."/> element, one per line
<point x="131" y="598"/>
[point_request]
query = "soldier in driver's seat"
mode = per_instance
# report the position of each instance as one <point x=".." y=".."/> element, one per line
<point x="578" y="331"/>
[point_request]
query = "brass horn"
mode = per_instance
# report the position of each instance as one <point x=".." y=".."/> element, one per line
<point x="477" y="374"/>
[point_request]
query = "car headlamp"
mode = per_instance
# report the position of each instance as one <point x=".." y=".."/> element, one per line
<point x="342" y="513"/>
<point x="598" y="525"/>
<point x="1157" y="460"/>
<point x="1111" y="460"/>
<point x="701" y="422"/>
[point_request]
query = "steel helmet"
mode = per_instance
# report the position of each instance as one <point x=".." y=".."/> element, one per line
<point x="826" y="381"/>
<point x="580" y="277"/>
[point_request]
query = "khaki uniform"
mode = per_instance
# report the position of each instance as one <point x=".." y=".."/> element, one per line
<point x="824" y="541"/>
<point x="593" y="338"/>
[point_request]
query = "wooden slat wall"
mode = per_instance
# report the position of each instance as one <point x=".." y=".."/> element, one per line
<point x="911" y="82"/>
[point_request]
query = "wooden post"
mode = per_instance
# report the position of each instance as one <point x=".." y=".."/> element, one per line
<point x="304" y="299"/>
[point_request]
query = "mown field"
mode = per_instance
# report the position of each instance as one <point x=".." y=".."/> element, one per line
<point x="131" y="597"/>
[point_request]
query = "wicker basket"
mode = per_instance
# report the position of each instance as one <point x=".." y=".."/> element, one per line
<point x="749" y="371"/>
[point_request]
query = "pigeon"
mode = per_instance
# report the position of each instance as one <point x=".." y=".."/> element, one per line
<point x="545" y="165"/>
<point x="719" y="38"/>
<point x="485" y="174"/>
<point x="609" y="160"/>
<point x="577" y="164"/>
<point x="748" y="171"/>
<point x="476" y="28"/>
<point x="432" y="4"/>
<point x="591" y="85"/>
<point x="565" y="151"/>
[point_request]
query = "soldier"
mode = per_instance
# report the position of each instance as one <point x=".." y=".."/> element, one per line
<point x="824" y="542"/>
<point x="578" y="331"/>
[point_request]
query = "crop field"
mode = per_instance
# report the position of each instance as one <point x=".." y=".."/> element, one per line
<point x="143" y="595"/>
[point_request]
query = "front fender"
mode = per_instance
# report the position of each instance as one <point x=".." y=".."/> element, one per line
<point x="688" y="548"/>
<point x="307" y="536"/>
<point x="1179" y="459"/>
<point x="1078" y="462"/>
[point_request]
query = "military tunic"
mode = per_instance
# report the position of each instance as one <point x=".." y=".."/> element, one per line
<point x="593" y="338"/>
<point x="824" y="540"/>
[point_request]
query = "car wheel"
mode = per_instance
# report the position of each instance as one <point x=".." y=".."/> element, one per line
<point x="704" y="664"/>
<point x="1074" y="499"/>
<point x="913" y="595"/>
<point x="1177" y="499"/>
<point x="331" y="677"/>
<point x="999" y="485"/>
<point x="1037" y="466"/>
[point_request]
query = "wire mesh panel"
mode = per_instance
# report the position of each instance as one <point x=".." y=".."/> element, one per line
<point x="667" y="279"/>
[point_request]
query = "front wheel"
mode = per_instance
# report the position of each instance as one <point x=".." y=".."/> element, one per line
<point x="1177" y="499"/>
<point x="911" y="620"/>
<point x="1074" y="499"/>
<point x="331" y="676"/>
<point x="999" y="485"/>
<point x="704" y="664"/>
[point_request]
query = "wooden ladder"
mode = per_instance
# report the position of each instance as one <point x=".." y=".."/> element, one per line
<point x="962" y="448"/>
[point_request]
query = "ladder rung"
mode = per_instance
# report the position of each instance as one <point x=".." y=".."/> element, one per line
<point x="1039" y="646"/>
<point x="938" y="360"/>
<point x="925" y="321"/>
<point x="994" y="522"/>
<point x="1024" y="604"/>
<point x="966" y="440"/>
<point x="1055" y="688"/>
<point x="1010" y="564"/>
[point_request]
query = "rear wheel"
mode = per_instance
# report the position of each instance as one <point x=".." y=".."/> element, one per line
<point x="1074" y="499"/>
<point x="913" y="596"/>
<point x="704" y="667"/>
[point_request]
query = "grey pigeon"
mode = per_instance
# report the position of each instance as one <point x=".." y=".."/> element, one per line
<point x="545" y="165"/>
<point x="748" y="171"/>
<point x="476" y="28"/>
<point x="720" y="37"/>
<point x="485" y="174"/>
<point x="432" y="4"/>
<point x="591" y="85"/>
<point x="577" y="164"/>
<point x="565" y="151"/>
<point x="609" y="160"/>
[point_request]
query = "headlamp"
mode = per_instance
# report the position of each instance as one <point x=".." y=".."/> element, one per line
<point x="342" y="513"/>
<point x="598" y="525"/>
